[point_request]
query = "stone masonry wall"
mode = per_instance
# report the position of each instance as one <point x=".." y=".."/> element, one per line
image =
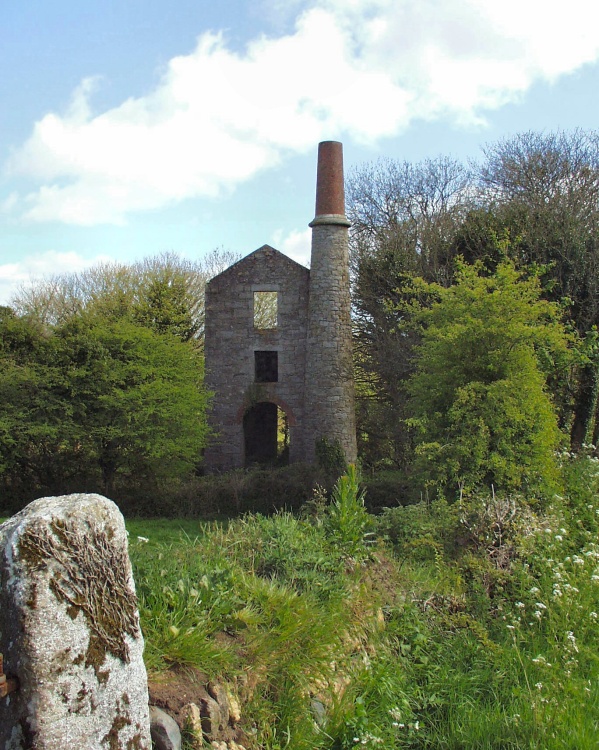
<point x="231" y="340"/>
<point x="329" y="365"/>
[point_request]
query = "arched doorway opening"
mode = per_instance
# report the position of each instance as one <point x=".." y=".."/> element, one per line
<point x="266" y="435"/>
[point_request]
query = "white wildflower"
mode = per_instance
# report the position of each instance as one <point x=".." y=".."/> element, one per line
<point x="541" y="660"/>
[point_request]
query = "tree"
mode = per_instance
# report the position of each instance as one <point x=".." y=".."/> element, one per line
<point x="404" y="218"/>
<point x="537" y="191"/>
<point x="478" y="398"/>
<point x="543" y="188"/>
<point x="408" y="210"/>
<point x="137" y="397"/>
<point x="168" y="306"/>
<point x="35" y="413"/>
<point x="95" y="403"/>
<point x="165" y="293"/>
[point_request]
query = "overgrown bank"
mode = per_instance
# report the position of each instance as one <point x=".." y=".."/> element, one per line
<point x="470" y="625"/>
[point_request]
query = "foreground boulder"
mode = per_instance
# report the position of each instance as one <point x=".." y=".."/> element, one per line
<point x="69" y="630"/>
<point x="164" y="730"/>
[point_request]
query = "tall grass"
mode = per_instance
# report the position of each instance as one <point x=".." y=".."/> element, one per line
<point x="465" y="626"/>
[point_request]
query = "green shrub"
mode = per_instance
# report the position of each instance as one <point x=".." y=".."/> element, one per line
<point x="421" y="530"/>
<point x="386" y="489"/>
<point x="220" y="495"/>
<point x="479" y="402"/>
<point x="330" y="458"/>
<point x="347" y="521"/>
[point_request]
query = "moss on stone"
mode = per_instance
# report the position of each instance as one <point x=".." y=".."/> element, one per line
<point x="111" y="738"/>
<point x="89" y="575"/>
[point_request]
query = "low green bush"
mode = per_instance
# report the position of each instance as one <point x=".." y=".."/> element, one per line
<point x="221" y="495"/>
<point x="346" y="521"/>
<point x="421" y="530"/>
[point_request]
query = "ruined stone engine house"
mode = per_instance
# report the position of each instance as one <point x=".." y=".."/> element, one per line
<point x="278" y="344"/>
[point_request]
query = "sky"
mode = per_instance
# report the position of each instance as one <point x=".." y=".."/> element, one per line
<point x="133" y="127"/>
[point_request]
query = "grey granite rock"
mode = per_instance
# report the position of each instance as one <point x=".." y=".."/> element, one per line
<point x="69" y="629"/>
<point x="165" y="731"/>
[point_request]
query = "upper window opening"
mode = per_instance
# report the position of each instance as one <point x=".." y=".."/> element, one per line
<point x="266" y="367"/>
<point x="265" y="310"/>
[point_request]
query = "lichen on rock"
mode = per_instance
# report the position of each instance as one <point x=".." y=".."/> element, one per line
<point x="69" y="629"/>
<point x="90" y="576"/>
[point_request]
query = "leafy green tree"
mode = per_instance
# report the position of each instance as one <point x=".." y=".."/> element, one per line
<point x="543" y="188"/>
<point x="35" y="414"/>
<point x="137" y="397"/>
<point x="479" y="405"/>
<point x="92" y="404"/>
<point x="166" y="307"/>
<point x="165" y="293"/>
<point x="404" y="218"/>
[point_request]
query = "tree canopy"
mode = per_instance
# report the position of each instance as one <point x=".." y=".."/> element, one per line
<point x="475" y="293"/>
<point x="165" y="293"/>
<point x="92" y="403"/>
<point x="533" y="198"/>
<point x="478" y="397"/>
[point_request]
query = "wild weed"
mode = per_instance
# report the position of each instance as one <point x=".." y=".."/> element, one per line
<point x="473" y="625"/>
<point x="183" y="601"/>
<point x="347" y="521"/>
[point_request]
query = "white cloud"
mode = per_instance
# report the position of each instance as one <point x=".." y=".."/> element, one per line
<point x="296" y="245"/>
<point x="49" y="263"/>
<point x="359" y="69"/>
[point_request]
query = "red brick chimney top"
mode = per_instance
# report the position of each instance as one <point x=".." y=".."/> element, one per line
<point x="330" y="192"/>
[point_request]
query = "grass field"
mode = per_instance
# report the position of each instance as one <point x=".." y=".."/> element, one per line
<point x="472" y="625"/>
<point x="339" y="630"/>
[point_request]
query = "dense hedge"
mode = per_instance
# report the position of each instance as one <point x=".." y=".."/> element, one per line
<point x="229" y="495"/>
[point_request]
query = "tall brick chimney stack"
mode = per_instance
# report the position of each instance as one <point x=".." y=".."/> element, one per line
<point x="329" y="391"/>
<point x="330" y="188"/>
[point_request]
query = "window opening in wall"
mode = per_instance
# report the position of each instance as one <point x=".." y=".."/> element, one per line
<point x="266" y="435"/>
<point x="265" y="310"/>
<point x="266" y="367"/>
